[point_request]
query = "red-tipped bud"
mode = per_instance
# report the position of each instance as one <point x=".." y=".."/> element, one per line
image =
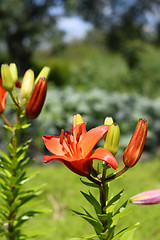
<point x="18" y="84"/>
<point x="3" y="95"/>
<point x="37" y="99"/>
<point x="135" y="147"/>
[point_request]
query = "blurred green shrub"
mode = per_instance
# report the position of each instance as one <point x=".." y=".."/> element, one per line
<point x="86" y="66"/>
<point x="145" y="78"/>
<point x="95" y="105"/>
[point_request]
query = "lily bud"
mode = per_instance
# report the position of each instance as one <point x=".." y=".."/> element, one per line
<point x="7" y="80"/>
<point x="37" y="99"/>
<point x="135" y="147"/>
<point x="112" y="139"/>
<point x="14" y="72"/>
<point x="3" y="95"/>
<point x="108" y="121"/>
<point x="147" y="197"/>
<point x="44" y="73"/>
<point x="18" y="84"/>
<point x="27" y="84"/>
<point x="77" y="119"/>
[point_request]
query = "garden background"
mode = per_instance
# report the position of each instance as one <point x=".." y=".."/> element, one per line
<point x="113" y="69"/>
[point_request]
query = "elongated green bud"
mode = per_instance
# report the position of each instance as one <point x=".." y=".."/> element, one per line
<point x="44" y="73"/>
<point x="14" y="72"/>
<point x="7" y="80"/>
<point x="112" y="139"/>
<point x="108" y="121"/>
<point x="27" y="84"/>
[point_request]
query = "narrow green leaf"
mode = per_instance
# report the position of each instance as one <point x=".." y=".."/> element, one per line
<point x="24" y="145"/>
<point x="93" y="201"/>
<point x="89" y="184"/>
<point x="26" y="216"/>
<point x="121" y="233"/>
<point x="5" y="156"/>
<point x="121" y="208"/>
<point x="21" y="156"/>
<point x="10" y="148"/>
<point x="26" y="125"/>
<point x="95" y="224"/>
<point x="116" y="217"/>
<point x="115" y="198"/>
<point x="7" y="127"/>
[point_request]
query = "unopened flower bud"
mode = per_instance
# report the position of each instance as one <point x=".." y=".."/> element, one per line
<point x="107" y="121"/>
<point x="3" y="95"/>
<point x="44" y="73"/>
<point x="18" y="84"/>
<point x="37" y="99"/>
<point x="77" y="119"/>
<point x="27" y="84"/>
<point x="147" y="197"/>
<point x="7" y="80"/>
<point x="14" y="72"/>
<point x="135" y="147"/>
<point x="112" y="139"/>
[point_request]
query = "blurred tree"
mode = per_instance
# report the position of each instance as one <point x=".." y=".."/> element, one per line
<point x="25" y="24"/>
<point x="121" y="19"/>
<point x="122" y="22"/>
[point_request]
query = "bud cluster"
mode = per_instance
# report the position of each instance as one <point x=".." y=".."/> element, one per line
<point x="32" y="92"/>
<point x="135" y="147"/>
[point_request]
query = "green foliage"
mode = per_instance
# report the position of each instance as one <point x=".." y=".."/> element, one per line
<point x="14" y="194"/>
<point x="85" y="66"/>
<point x="111" y="217"/>
<point x="60" y="221"/>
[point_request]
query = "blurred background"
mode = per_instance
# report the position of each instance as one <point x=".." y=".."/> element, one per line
<point x="105" y="61"/>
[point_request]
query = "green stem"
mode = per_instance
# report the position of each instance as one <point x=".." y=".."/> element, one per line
<point x="94" y="180"/>
<point x="12" y="212"/>
<point x="13" y="99"/>
<point x="6" y="120"/>
<point x="108" y="179"/>
<point x="103" y="197"/>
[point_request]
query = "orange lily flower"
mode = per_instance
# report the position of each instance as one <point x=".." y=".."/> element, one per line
<point x="75" y="149"/>
<point x="3" y="95"/>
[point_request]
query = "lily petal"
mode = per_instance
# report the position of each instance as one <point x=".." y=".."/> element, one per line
<point x="52" y="143"/>
<point x="90" y="138"/>
<point x="80" y="167"/>
<point x="104" y="155"/>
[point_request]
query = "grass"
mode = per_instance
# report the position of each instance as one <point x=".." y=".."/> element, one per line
<point x="62" y="193"/>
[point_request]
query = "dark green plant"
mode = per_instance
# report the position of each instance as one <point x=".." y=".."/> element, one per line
<point x="15" y="190"/>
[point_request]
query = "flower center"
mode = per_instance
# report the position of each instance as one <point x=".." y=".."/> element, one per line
<point x="69" y="143"/>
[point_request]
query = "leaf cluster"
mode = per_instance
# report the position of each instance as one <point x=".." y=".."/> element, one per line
<point x="14" y="193"/>
<point x="111" y="216"/>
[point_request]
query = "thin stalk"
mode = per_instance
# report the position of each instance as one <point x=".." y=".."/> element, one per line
<point x="94" y="180"/>
<point x="103" y="197"/>
<point x="5" y="120"/>
<point x="13" y="99"/>
<point x="108" y="179"/>
<point x="12" y="212"/>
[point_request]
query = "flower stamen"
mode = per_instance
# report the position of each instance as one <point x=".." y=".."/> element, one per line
<point x="62" y="136"/>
